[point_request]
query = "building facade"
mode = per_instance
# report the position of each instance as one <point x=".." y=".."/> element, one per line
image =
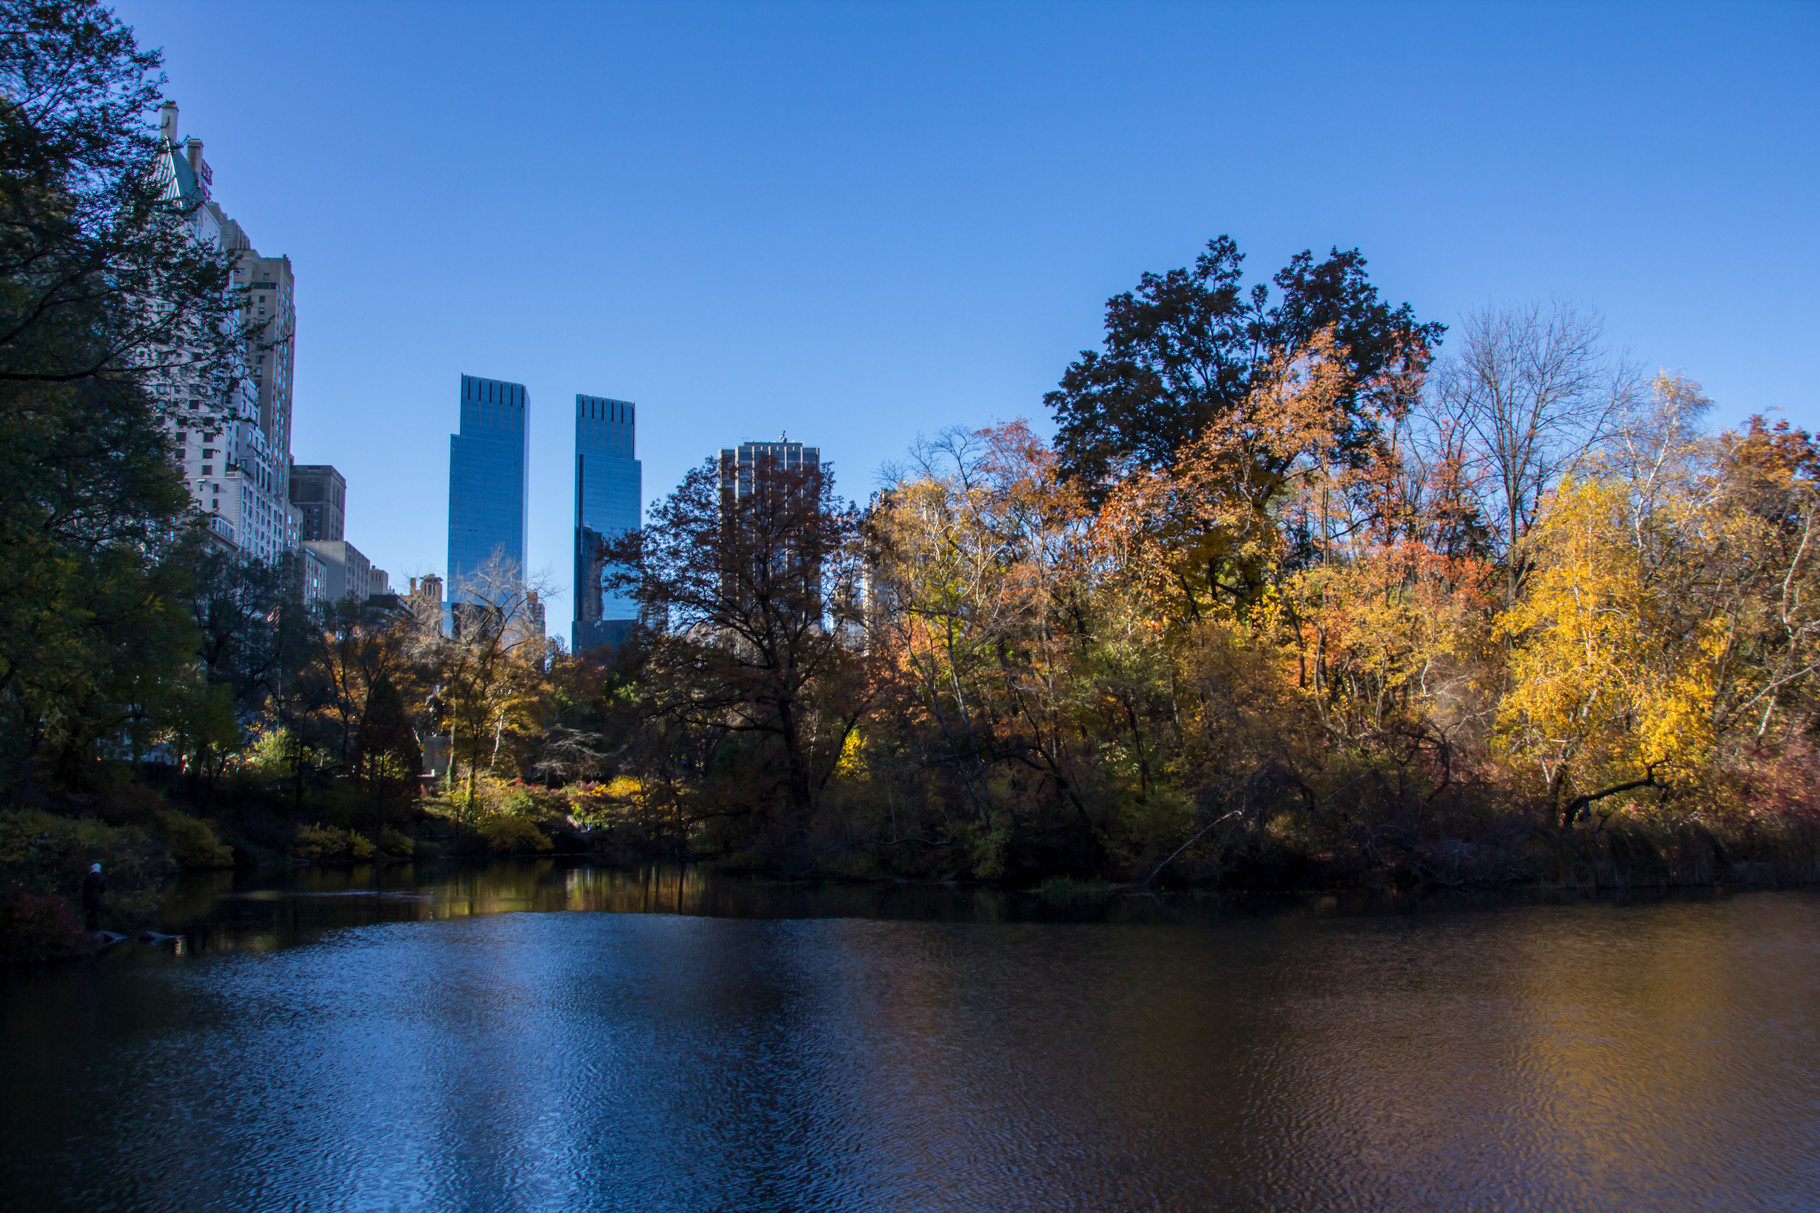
<point x="347" y="573"/>
<point x="784" y="479"/>
<point x="609" y="495"/>
<point x="487" y="482"/>
<point x="743" y="467"/>
<point x="313" y="578"/>
<point x="234" y="448"/>
<point x="320" y="494"/>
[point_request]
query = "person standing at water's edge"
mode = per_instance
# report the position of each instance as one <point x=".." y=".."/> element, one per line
<point x="94" y="890"/>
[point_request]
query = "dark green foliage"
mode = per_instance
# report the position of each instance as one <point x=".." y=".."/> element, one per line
<point x="386" y="755"/>
<point x="1183" y="349"/>
<point x="99" y="278"/>
<point x="193" y="842"/>
<point x="253" y="631"/>
<point x="46" y="855"/>
<point x="101" y="285"/>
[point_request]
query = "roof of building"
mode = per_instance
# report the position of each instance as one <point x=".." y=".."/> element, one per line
<point x="178" y="178"/>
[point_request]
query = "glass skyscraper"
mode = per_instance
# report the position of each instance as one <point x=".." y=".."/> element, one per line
<point x="609" y="492"/>
<point x="487" y="480"/>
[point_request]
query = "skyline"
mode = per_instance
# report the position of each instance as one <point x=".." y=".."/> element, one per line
<point x="862" y="225"/>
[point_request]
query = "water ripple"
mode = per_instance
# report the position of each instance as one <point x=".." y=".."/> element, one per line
<point x="1590" y="1057"/>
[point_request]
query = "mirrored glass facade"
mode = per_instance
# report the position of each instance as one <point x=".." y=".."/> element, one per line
<point x="487" y="479"/>
<point x="609" y="492"/>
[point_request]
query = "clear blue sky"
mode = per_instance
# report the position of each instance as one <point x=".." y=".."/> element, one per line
<point x="863" y="221"/>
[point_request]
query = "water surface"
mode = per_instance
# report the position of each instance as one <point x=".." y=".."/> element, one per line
<point x="396" y="1044"/>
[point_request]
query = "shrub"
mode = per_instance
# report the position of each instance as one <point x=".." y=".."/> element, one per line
<point x="986" y="845"/>
<point x="131" y="804"/>
<point x="394" y="843"/>
<point x="326" y="844"/>
<point x="621" y="801"/>
<point x="47" y="855"/>
<point x="528" y="800"/>
<point x="512" y="835"/>
<point x="193" y="843"/>
<point x="34" y="927"/>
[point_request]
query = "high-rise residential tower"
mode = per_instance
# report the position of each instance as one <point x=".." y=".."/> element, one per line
<point x="320" y="494"/>
<point x="609" y="490"/>
<point x="487" y="482"/>
<point x="270" y="357"/>
<point x="771" y="485"/>
<point x="235" y="450"/>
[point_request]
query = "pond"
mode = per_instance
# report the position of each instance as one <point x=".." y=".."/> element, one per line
<point x="453" y="1040"/>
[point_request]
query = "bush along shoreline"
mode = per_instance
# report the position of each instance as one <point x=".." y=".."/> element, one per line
<point x="143" y="844"/>
<point x="43" y="858"/>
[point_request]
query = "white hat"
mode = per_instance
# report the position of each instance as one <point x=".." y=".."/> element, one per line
<point x="94" y="867"/>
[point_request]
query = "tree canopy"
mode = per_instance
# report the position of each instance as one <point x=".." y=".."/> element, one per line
<point x="1183" y="351"/>
<point x="101" y="285"/>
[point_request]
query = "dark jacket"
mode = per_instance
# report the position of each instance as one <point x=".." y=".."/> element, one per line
<point x="94" y="887"/>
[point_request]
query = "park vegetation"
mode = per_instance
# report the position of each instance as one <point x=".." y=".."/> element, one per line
<point x="1303" y="591"/>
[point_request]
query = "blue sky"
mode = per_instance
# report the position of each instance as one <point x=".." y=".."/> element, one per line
<point x="861" y="222"/>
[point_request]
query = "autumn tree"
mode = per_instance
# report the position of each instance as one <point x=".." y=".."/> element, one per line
<point x="1183" y="350"/>
<point x="1670" y="619"/>
<point x="1534" y="388"/>
<point x="1263" y="492"/>
<point x="489" y="671"/>
<point x="977" y="543"/>
<point x="751" y="606"/>
<point x="356" y="645"/>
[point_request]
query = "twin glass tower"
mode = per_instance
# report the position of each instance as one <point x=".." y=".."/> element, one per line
<point x="609" y="488"/>
<point x="489" y="481"/>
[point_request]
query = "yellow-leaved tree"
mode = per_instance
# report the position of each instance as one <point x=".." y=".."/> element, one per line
<point x="1611" y="683"/>
<point x="1671" y="634"/>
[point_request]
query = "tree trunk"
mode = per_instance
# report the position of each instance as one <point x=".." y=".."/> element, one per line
<point x="800" y="797"/>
